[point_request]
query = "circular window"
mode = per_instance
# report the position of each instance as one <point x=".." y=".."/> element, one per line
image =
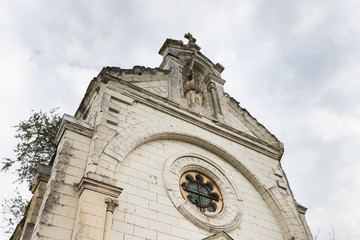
<point x="201" y="191"/>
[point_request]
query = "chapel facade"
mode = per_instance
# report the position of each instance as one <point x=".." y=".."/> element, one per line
<point x="164" y="153"/>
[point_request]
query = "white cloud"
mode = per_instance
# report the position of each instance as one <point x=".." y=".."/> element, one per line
<point x="293" y="65"/>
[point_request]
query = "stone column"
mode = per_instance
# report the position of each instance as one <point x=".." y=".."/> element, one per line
<point x="214" y="99"/>
<point x="216" y="91"/>
<point x="111" y="204"/>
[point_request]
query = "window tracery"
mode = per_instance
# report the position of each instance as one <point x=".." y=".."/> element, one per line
<point x="199" y="190"/>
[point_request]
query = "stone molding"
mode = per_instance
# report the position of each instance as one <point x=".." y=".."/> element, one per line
<point x="302" y="209"/>
<point x="260" y="144"/>
<point x="207" y="124"/>
<point x="93" y="185"/>
<point x="255" y="127"/>
<point x="42" y="175"/>
<point x="212" y="78"/>
<point x="75" y="125"/>
<point x="228" y="218"/>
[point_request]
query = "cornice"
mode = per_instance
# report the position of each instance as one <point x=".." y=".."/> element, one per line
<point x="257" y="128"/>
<point x="100" y="187"/>
<point x="75" y="125"/>
<point x="211" y="77"/>
<point x="42" y="175"/>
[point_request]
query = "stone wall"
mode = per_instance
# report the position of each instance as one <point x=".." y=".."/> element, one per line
<point x="146" y="211"/>
<point x="119" y="162"/>
<point x="58" y="210"/>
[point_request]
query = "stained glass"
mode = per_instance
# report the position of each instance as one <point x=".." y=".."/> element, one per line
<point x="199" y="193"/>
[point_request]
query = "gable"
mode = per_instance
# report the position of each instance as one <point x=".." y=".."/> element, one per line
<point x="241" y="118"/>
<point x="236" y="121"/>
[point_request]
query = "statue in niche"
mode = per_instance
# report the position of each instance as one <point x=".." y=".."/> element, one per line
<point x="192" y="91"/>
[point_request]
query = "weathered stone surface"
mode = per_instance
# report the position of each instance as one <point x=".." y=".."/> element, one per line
<point x="117" y="170"/>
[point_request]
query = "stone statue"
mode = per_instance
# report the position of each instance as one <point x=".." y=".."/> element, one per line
<point x="192" y="91"/>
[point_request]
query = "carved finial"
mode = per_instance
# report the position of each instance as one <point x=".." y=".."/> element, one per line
<point x="190" y="37"/>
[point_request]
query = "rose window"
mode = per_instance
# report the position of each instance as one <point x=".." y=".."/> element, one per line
<point x="199" y="190"/>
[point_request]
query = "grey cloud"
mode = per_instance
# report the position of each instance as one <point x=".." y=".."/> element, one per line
<point x="293" y="65"/>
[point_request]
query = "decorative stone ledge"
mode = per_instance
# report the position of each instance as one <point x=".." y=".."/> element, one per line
<point x="212" y="78"/>
<point x="75" y="125"/>
<point x="278" y="172"/>
<point x="219" y="67"/>
<point x="300" y="208"/>
<point x="96" y="186"/>
<point x="281" y="184"/>
<point x="42" y="175"/>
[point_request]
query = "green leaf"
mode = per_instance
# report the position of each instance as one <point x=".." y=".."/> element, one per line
<point x="35" y="145"/>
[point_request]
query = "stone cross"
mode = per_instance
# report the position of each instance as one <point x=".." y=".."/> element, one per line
<point x="190" y="37"/>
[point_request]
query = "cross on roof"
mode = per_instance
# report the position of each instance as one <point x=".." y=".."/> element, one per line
<point x="190" y="37"/>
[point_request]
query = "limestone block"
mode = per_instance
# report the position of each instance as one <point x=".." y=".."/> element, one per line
<point x="123" y="227"/>
<point x="136" y="220"/>
<point x="89" y="232"/>
<point x="50" y="231"/>
<point x="163" y="236"/>
<point x="115" y="235"/>
<point x="145" y="233"/>
<point x="145" y="212"/>
<point x="131" y="237"/>
<point x="159" y="226"/>
<point x="137" y="200"/>
<point x="165" y="218"/>
<point x="63" y="222"/>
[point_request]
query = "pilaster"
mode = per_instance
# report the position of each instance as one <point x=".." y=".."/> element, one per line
<point x="97" y="202"/>
<point x="58" y="208"/>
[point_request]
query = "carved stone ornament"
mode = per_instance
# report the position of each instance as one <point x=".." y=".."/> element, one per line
<point x="111" y="204"/>
<point x="191" y="43"/>
<point x="191" y="80"/>
<point x="229" y="216"/>
<point x="190" y="37"/>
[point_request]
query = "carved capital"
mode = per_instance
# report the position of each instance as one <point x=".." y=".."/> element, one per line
<point x="212" y="85"/>
<point x="111" y="204"/>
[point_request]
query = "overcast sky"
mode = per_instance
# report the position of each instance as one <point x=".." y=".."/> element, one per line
<point x="294" y="65"/>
